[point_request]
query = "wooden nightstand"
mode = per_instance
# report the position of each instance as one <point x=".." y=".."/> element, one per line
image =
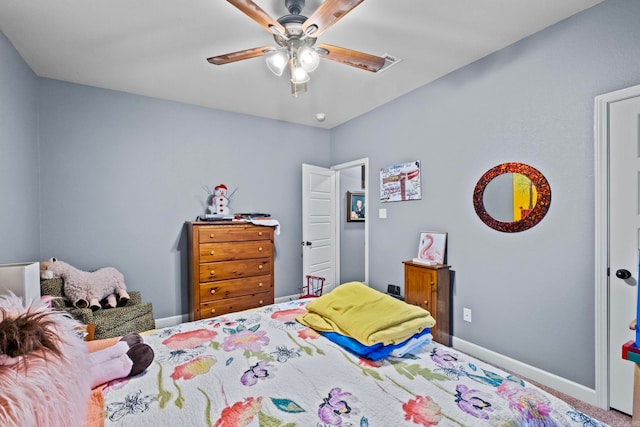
<point x="428" y="286"/>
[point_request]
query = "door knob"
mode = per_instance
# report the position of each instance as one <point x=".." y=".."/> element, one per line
<point x="623" y="274"/>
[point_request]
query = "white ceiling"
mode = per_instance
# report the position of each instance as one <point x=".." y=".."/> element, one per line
<point x="159" y="48"/>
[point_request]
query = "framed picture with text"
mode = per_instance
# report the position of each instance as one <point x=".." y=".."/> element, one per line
<point x="400" y="182"/>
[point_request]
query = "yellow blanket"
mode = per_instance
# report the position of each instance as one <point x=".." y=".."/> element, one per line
<point x="365" y="314"/>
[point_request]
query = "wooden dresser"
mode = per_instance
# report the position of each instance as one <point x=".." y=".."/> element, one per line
<point x="428" y="286"/>
<point x="230" y="267"/>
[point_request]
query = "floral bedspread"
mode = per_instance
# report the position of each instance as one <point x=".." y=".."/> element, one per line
<point x="262" y="368"/>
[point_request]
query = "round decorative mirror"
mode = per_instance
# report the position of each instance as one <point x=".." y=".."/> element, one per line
<point x="512" y="197"/>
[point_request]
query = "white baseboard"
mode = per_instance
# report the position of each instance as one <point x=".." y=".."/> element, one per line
<point x="286" y="298"/>
<point x="171" y="321"/>
<point x="548" y="379"/>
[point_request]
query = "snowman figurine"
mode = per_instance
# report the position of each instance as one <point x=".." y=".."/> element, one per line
<point x="219" y="201"/>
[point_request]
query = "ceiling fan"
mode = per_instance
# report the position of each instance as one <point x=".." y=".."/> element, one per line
<point x="295" y="36"/>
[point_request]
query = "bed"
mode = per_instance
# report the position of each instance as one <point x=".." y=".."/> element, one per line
<point x="263" y="368"/>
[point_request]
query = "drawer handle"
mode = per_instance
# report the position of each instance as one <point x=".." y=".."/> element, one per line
<point x="212" y="235"/>
<point x="260" y="267"/>
<point x="212" y="291"/>
<point x="260" y="249"/>
<point x="426" y="303"/>
<point x="259" y="233"/>
<point x="260" y="284"/>
<point x="212" y="273"/>
<point x="260" y="302"/>
<point x="213" y="311"/>
<point x="212" y="252"/>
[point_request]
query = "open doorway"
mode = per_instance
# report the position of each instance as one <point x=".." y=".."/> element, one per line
<point x="352" y="228"/>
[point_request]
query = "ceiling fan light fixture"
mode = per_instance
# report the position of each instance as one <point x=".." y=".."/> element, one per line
<point x="276" y="30"/>
<point x="299" y="75"/>
<point x="277" y="62"/>
<point x="298" y="89"/>
<point x="309" y="59"/>
<point x="295" y="36"/>
<point x="310" y="30"/>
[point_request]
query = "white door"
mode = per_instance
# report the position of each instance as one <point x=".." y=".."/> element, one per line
<point x="319" y="223"/>
<point x="624" y="235"/>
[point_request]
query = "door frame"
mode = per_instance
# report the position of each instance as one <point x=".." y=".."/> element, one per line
<point x="601" y="133"/>
<point x="342" y="166"/>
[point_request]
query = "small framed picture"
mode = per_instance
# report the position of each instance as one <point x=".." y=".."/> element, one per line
<point x="432" y="247"/>
<point x="355" y="206"/>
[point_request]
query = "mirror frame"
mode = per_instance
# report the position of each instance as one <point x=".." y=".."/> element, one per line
<point x="537" y="213"/>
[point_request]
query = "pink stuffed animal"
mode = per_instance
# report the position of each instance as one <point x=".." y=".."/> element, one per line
<point x="46" y="370"/>
<point x="88" y="289"/>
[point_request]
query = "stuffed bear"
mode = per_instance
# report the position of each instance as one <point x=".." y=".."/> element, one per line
<point x="46" y="369"/>
<point x="88" y="289"/>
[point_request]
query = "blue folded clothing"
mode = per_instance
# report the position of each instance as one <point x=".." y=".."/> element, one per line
<point x="412" y="345"/>
<point x="373" y="352"/>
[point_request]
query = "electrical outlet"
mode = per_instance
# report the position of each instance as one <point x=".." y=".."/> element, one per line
<point x="466" y="314"/>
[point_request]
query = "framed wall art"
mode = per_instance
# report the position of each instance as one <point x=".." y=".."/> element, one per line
<point x="431" y="248"/>
<point x="400" y="182"/>
<point x="355" y="206"/>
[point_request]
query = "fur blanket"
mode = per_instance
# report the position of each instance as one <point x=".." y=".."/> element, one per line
<point x="44" y="366"/>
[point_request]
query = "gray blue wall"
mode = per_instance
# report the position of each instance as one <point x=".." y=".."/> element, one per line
<point x="531" y="293"/>
<point x="121" y="173"/>
<point x="19" y="167"/>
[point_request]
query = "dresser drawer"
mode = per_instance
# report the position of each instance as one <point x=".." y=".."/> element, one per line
<point x="235" y="288"/>
<point x="210" y="252"/>
<point x="217" y="308"/>
<point x="234" y="234"/>
<point x="234" y="269"/>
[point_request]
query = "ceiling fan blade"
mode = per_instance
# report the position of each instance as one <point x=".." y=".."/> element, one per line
<point x="240" y="55"/>
<point x="329" y="12"/>
<point x="255" y="12"/>
<point x="353" y="58"/>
